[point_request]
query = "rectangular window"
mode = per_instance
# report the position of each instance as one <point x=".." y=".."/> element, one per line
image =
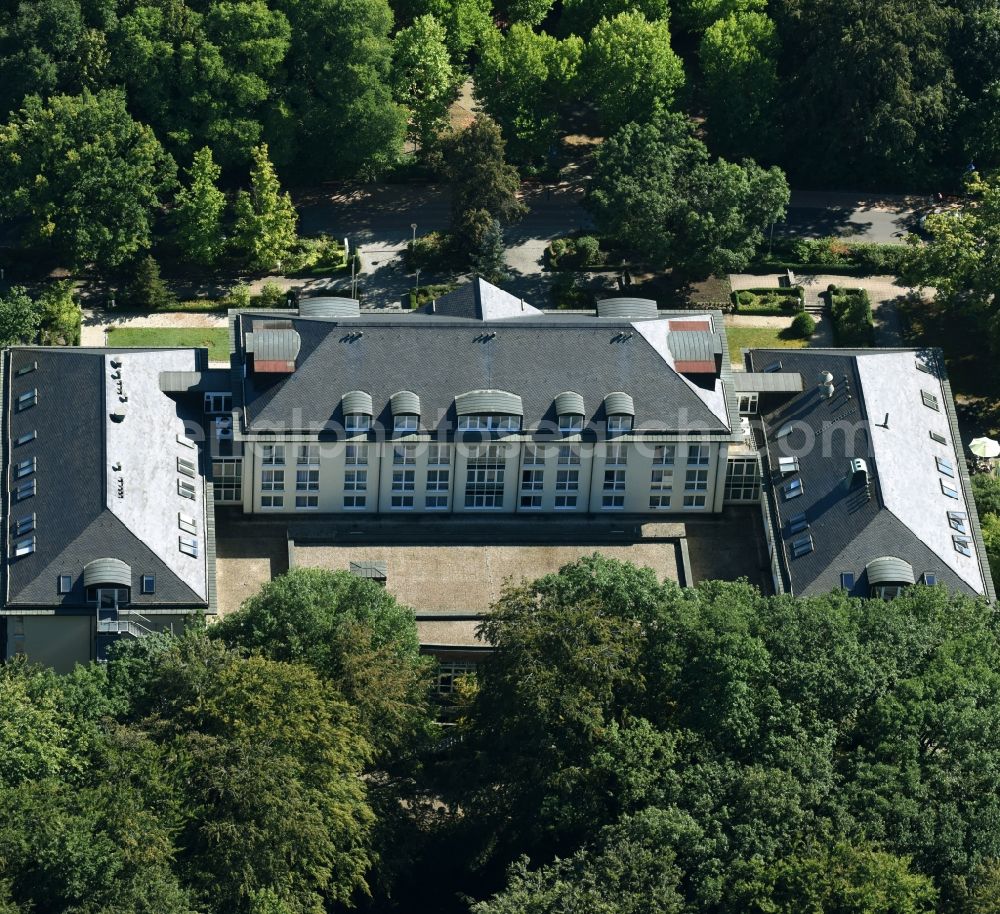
<point x="565" y="502"/>
<point x="696" y="481"/>
<point x="402" y="502"/>
<point x="357" y="423"/>
<point x="619" y="424"/>
<point x="273" y="455"/>
<point x="945" y="467"/>
<point x="186" y="467"/>
<point x="26" y="400"/>
<point x="534" y="456"/>
<point x="788" y="465"/>
<point x="930" y="578"/>
<point x="659" y="502"/>
<point x="929" y="400"/>
<point x="26" y="369"/>
<point x="184" y="441"/>
<point x="271" y="502"/>
<point x="614" y="480"/>
<point x="65" y="583"/>
<point x="451" y="670"/>
<point x="306" y="502"/>
<point x="694" y="501"/>
<point x="24" y="547"/>
<point x="148" y="583"/>
<point x="940" y="439"/>
<point x="218" y="403"/>
<point x="748" y="404"/>
<point x="185" y="489"/>
<point x="797" y="523"/>
<point x="662" y="480"/>
<point x="188" y="545"/>
<point x="186" y="522"/>
<point x="742" y="480"/>
<point x="307" y="455"/>
<point x="616" y="455"/>
<point x="25" y="490"/>
<point x="802" y="546"/>
<point x="963" y="544"/>
<point x="356" y="455"/>
<point x="532" y="480"/>
<point x="355" y="480"/>
<point x="404" y="455"/>
<point x="569" y="424"/>
<point x="793" y="489"/>
<point x="664" y="455"/>
<point x="613" y="502"/>
<point x="436" y="502"/>
<point x="24" y="524"/>
<point x="438" y="455"/>
<point x="403" y="480"/>
<point x="569" y="455"/>
<point x="531" y="502"/>
<point x="272" y="480"/>
<point x="24" y="468"/>
<point x="949" y="490"/>
<point x="355" y="502"/>
<point x="227" y="480"/>
<point x="956" y="520"/>
<point x="484" y="481"/>
<point x="438" y="480"/>
<point x="491" y="423"/>
<point x="26" y="438"/>
<point x="406" y="423"/>
<point x="567" y="480"/>
<point x="847" y="580"/>
<point x="307" y="480"/>
<point x="697" y="455"/>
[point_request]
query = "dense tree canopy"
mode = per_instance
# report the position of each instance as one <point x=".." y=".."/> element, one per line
<point x="657" y="189"/>
<point x="85" y="176"/>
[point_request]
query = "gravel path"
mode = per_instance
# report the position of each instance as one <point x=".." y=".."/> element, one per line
<point x="96" y="323"/>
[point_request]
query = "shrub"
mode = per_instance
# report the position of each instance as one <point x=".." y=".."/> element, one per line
<point x="745" y="298"/>
<point x="588" y="250"/>
<point x="271" y="295"/>
<point x="146" y="289"/>
<point x="237" y="297"/>
<point x="853" y="324"/>
<point x="803" y="326"/>
<point x="429" y="251"/>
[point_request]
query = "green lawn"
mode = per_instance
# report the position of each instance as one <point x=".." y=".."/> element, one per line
<point x="760" y="338"/>
<point x="216" y="339"/>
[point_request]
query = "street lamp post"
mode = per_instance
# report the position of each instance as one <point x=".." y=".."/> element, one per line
<point x="413" y="240"/>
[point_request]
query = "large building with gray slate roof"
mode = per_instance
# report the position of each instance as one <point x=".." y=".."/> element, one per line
<point x="108" y="518"/>
<point x="865" y="481"/>
<point x="480" y="403"/>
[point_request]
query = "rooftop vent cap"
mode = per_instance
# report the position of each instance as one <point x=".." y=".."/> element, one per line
<point x="825" y="377"/>
<point x="859" y="471"/>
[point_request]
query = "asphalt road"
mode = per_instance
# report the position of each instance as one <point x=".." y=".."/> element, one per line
<point x="857" y="217"/>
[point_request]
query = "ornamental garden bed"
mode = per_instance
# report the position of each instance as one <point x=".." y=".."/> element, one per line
<point x="771" y="301"/>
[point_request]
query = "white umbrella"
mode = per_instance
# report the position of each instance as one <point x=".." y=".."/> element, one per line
<point x="985" y="447"/>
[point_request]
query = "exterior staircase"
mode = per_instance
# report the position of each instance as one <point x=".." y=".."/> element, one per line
<point x="115" y="624"/>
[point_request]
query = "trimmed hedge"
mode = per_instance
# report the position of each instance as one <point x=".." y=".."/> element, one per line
<point x="803" y="326"/>
<point x="769" y="301"/>
<point x="829" y="254"/>
<point x="853" y="322"/>
<point x="575" y="253"/>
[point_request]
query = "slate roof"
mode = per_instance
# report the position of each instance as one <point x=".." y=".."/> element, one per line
<point x="439" y="358"/>
<point x="904" y="514"/>
<point x="77" y="518"/>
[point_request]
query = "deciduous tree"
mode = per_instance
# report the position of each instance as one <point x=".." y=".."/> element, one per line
<point x="423" y="77"/>
<point x="85" y="176"/>
<point x="19" y="317"/>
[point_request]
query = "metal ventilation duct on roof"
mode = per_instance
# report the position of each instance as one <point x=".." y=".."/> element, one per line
<point x="405" y="402"/>
<point x="357" y="402"/>
<point x="619" y="404"/>
<point x="569" y="403"/>
<point x="329" y="306"/>
<point x="627" y="308"/>
<point x="107" y="571"/>
<point x="890" y="570"/>
<point x="488" y="401"/>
